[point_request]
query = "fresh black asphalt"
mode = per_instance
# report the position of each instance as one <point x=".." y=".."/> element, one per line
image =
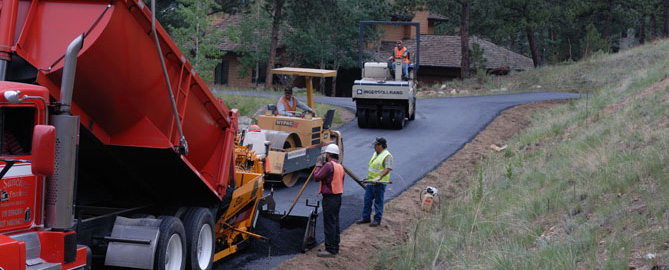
<point x="441" y="128"/>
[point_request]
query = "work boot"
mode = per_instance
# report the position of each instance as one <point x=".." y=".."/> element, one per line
<point x="375" y="224"/>
<point x="362" y="221"/>
<point x="325" y="254"/>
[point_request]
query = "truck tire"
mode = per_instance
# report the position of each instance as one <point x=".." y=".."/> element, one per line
<point x="386" y="119"/>
<point x="372" y="118"/>
<point x="362" y="119"/>
<point x="174" y="211"/>
<point x="412" y="115"/>
<point x="199" y="238"/>
<point x="171" y="247"/>
<point x="398" y="119"/>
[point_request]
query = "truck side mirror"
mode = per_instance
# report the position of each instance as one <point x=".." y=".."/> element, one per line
<point x="43" y="150"/>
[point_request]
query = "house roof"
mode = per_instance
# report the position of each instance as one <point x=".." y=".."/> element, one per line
<point x="410" y="16"/>
<point x="223" y="23"/>
<point x="444" y="51"/>
<point x="436" y="17"/>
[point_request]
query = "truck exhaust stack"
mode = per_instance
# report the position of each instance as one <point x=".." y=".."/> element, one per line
<point x="60" y="186"/>
<point x="67" y="86"/>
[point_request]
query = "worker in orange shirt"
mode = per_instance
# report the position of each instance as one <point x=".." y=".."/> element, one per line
<point x="331" y="177"/>
<point x="288" y="104"/>
<point x="401" y="53"/>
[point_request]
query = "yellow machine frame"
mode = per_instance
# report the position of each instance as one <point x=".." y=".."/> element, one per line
<point x="234" y="226"/>
<point x="297" y="134"/>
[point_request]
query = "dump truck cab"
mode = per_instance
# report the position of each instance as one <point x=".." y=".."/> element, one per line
<point x="27" y="146"/>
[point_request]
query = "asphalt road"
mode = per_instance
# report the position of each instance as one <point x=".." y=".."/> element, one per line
<point x="442" y="126"/>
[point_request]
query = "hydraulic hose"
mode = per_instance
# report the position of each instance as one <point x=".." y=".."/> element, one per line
<point x="183" y="145"/>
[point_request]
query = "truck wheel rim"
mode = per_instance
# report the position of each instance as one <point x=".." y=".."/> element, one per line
<point x="174" y="253"/>
<point x="204" y="246"/>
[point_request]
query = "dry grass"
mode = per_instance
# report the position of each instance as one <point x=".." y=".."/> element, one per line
<point x="583" y="188"/>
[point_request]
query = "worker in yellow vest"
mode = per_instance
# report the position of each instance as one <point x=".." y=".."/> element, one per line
<point x="331" y="177"/>
<point x="378" y="176"/>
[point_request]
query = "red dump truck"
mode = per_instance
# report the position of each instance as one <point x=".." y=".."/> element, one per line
<point x="114" y="152"/>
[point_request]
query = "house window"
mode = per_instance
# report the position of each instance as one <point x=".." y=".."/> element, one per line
<point x="261" y="76"/>
<point x="221" y="73"/>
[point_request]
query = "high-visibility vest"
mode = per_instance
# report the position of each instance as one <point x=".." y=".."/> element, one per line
<point x="399" y="53"/>
<point x="337" y="183"/>
<point x="287" y="105"/>
<point x="376" y="166"/>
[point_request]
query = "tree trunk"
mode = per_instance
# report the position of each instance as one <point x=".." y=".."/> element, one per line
<point x="257" y="74"/>
<point x="665" y="18"/>
<point x="277" y="9"/>
<point x="642" y="29"/>
<point x="512" y="42"/>
<point x="607" y="25"/>
<point x="197" y="37"/>
<point x="464" y="41"/>
<point x="653" y="23"/>
<point x="321" y="81"/>
<point x="533" y="46"/>
<point x="334" y="81"/>
<point x="571" y="57"/>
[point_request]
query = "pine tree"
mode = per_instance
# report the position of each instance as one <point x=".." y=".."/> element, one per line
<point x="196" y="37"/>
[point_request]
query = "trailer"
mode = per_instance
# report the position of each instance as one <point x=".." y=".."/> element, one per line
<point x="113" y="151"/>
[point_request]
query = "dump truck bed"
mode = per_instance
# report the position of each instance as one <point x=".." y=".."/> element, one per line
<point x="129" y="128"/>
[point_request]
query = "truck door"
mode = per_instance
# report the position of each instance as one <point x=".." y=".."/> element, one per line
<point x="18" y="186"/>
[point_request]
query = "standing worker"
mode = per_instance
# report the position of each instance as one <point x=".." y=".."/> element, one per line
<point x="401" y="53"/>
<point x="378" y="176"/>
<point x="287" y="104"/>
<point x="331" y="177"/>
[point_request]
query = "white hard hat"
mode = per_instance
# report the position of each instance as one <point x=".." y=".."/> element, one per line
<point x="332" y="149"/>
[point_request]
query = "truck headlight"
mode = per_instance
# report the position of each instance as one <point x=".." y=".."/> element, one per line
<point x="359" y="92"/>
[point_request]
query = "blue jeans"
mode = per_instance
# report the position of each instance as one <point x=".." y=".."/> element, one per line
<point x="374" y="193"/>
<point x="405" y="69"/>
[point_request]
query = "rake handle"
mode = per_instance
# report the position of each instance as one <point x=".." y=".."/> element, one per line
<point x="299" y="194"/>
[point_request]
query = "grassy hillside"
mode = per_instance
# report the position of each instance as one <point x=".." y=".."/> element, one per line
<point x="586" y="186"/>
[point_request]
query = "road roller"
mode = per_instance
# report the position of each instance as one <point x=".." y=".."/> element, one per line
<point x="383" y="99"/>
<point x="293" y="143"/>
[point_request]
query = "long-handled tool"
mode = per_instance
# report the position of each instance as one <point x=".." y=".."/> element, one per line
<point x="354" y="177"/>
<point x="375" y="182"/>
<point x="363" y="181"/>
<point x="300" y="193"/>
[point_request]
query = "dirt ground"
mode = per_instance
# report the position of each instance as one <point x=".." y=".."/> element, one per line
<point x="355" y="253"/>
